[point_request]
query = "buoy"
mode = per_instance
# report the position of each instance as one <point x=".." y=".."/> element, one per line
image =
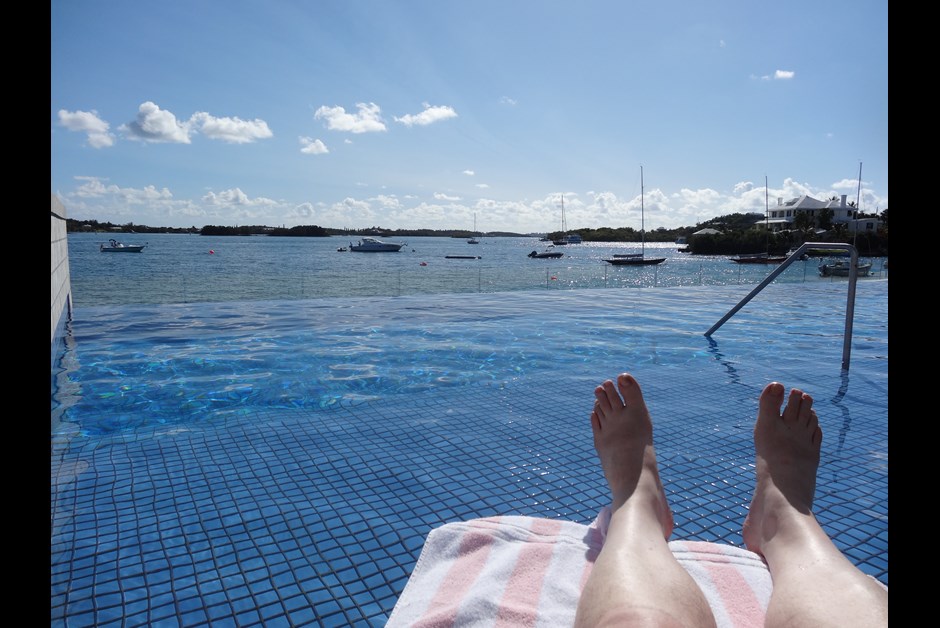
<point x="554" y="278"/>
<point x="211" y="252"/>
<point x="423" y="264"/>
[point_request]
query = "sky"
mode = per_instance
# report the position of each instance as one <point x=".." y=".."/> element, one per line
<point x="513" y="115"/>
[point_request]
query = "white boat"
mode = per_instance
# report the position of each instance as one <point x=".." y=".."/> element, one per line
<point x="374" y="245"/>
<point x="113" y="246"/>
<point x="473" y="238"/>
<point x="546" y="254"/>
<point x="566" y="238"/>
<point x="842" y="268"/>
<point x="637" y="259"/>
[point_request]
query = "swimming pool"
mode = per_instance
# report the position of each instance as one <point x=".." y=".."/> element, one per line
<point x="281" y="462"/>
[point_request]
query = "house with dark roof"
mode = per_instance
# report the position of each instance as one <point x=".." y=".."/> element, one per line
<point x="780" y="218"/>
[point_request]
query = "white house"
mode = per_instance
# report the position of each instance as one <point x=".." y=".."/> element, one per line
<point x="781" y="217"/>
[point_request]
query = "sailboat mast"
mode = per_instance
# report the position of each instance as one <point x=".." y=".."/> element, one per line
<point x="642" y="216"/>
<point x="766" y="217"/>
<point x="858" y="199"/>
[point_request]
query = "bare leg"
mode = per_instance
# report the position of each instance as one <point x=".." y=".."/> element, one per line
<point x="814" y="584"/>
<point x="636" y="580"/>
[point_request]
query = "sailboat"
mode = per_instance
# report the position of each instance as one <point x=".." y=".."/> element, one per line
<point x="637" y="259"/>
<point x="566" y="238"/>
<point x="765" y="257"/>
<point x="473" y="238"/>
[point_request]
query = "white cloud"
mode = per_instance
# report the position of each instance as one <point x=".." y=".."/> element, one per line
<point x="506" y="100"/>
<point x="366" y="121"/>
<point x="302" y="212"/>
<point x="89" y="123"/>
<point x="469" y="173"/>
<point x="156" y="125"/>
<point x="439" y="196"/>
<point x="232" y="130"/>
<point x="388" y="202"/>
<point x="233" y="198"/>
<point x="93" y="187"/>
<point x="743" y="186"/>
<point x="312" y="146"/>
<point x="430" y="115"/>
<point x="482" y="185"/>
<point x="784" y="75"/>
<point x="721" y="43"/>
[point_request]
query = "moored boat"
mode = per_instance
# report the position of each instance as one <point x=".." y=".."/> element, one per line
<point x="842" y="269"/>
<point x="637" y="259"/>
<point x="113" y="246"/>
<point x="374" y="245"/>
<point x="758" y="258"/>
<point x="546" y="254"/>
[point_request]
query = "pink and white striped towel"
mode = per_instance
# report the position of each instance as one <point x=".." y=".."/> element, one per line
<point x="524" y="571"/>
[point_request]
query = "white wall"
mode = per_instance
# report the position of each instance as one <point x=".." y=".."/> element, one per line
<point x="61" y="279"/>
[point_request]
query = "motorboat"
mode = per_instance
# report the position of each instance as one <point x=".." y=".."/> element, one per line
<point x="842" y="268"/>
<point x="820" y="252"/>
<point x="546" y="254"/>
<point x="374" y="245"/>
<point x="113" y="246"/>
<point x="758" y="258"/>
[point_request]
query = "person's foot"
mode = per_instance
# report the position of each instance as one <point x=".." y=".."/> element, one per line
<point x="787" y="447"/>
<point x="623" y="438"/>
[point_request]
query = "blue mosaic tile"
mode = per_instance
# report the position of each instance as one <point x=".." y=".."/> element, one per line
<point x="317" y="519"/>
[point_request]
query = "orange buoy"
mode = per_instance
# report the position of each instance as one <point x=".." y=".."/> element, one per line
<point x="211" y="252"/>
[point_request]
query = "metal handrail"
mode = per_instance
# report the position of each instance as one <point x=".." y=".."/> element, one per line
<point x="794" y="256"/>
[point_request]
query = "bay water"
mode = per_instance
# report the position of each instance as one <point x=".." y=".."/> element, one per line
<point x="189" y="268"/>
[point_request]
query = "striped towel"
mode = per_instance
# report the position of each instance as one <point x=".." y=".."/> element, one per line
<point x="525" y="571"/>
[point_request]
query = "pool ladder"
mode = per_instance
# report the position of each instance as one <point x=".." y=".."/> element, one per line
<point x="850" y="302"/>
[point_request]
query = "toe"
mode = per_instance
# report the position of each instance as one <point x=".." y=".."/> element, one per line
<point x="797" y="407"/>
<point x="629" y="389"/>
<point x="771" y="399"/>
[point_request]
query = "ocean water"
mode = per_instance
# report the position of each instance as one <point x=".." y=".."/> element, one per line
<point x="176" y="268"/>
<point x="266" y="437"/>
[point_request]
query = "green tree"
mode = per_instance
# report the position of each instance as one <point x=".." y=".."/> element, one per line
<point x="803" y="222"/>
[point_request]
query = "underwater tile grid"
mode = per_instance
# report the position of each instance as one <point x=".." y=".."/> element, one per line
<point x="292" y="517"/>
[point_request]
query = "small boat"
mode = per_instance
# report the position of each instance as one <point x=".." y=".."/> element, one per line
<point x="473" y="238"/>
<point x="842" y="268"/>
<point x="374" y="245"/>
<point x="566" y="238"/>
<point x="546" y="254"/>
<point x="765" y="257"/>
<point x="758" y="258"/>
<point x="463" y="257"/>
<point x="342" y="249"/>
<point x="820" y="252"/>
<point x="637" y="259"/>
<point x="113" y="246"/>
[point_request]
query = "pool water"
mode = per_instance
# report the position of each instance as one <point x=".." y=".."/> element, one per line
<point x="281" y="462"/>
